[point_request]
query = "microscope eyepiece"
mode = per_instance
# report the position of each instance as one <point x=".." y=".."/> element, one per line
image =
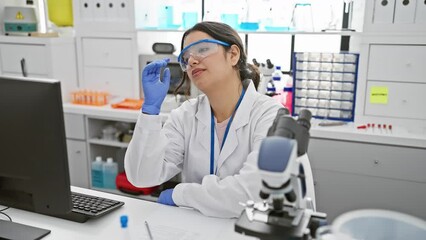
<point x="304" y="118"/>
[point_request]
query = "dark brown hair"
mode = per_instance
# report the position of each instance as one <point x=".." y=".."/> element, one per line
<point x="224" y="33"/>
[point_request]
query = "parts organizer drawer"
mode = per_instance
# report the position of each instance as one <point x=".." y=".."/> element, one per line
<point x="99" y="52"/>
<point x="33" y="55"/>
<point x="398" y="63"/>
<point x="325" y="84"/>
<point x="404" y="100"/>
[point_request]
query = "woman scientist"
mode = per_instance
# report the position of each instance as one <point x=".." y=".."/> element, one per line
<point x="213" y="140"/>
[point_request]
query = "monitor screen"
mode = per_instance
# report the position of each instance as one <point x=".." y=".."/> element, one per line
<point x="33" y="157"/>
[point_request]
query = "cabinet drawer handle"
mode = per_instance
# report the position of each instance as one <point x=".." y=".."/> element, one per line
<point x="23" y="67"/>
<point x="78" y="151"/>
<point x="376" y="162"/>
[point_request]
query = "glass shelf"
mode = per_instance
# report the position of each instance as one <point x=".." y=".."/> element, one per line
<point x="339" y="33"/>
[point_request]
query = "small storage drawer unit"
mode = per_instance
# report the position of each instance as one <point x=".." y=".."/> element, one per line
<point x="102" y="52"/>
<point x="399" y="63"/>
<point x="325" y="84"/>
<point x="15" y="57"/>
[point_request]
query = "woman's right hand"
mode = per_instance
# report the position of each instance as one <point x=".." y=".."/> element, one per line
<point x="154" y="89"/>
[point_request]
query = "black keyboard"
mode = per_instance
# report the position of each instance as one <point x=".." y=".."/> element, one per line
<point x="88" y="206"/>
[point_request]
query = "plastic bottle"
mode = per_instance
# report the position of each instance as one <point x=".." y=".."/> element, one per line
<point x="277" y="76"/>
<point x="270" y="89"/>
<point x="97" y="172"/>
<point x="189" y="14"/>
<point x="288" y="92"/>
<point x="287" y="98"/>
<point x="124" y="228"/>
<point x="110" y="170"/>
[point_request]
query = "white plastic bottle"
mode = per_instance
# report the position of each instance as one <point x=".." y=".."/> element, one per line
<point x="97" y="172"/>
<point x="110" y="170"/>
<point x="277" y="76"/>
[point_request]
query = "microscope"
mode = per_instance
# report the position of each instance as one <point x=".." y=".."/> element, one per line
<point x="286" y="212"/>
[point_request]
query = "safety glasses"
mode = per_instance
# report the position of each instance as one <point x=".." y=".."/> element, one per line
<point x="199" y="50"/>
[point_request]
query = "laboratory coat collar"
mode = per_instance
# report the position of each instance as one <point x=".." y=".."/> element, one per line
<point x="241" y="119"/>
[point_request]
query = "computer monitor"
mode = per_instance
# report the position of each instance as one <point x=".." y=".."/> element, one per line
<point x="34" y="172"/>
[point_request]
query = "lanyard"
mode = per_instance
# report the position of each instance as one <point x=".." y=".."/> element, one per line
<point x="226" y="132"/>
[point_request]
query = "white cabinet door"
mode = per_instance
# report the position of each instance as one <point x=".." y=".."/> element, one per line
<point x="104" y="52"/>
<point x="383" y="11"/>
<point x="405" y="11"/>
<point x="33" y="56"/>
<point x="74" y="126"/>
<point x="404" y="100"/>
<point x="398" y="63"/>
<point x="77" y="162"/>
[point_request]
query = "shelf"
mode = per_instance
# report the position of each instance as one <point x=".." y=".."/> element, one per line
<point x="108" y="143"/>
<point x="341" y="33"/>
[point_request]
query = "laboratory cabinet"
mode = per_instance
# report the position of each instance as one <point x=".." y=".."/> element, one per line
<point x="42" y="58"/>
<point x="351" y="175"/>
<point x="107" y="52"/>
<point x="88" y="136"/>
<point x="391" y="77"/>
<point x="392" y="67"/>
<point x="75" y="132"/>
<point x="395" y="15"/>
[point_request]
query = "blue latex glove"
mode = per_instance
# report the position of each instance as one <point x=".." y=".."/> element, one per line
<point x="166" y="197"/>
<point x="155" y="90"/>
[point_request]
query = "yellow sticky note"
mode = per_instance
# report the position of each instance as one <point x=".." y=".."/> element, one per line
<point x="379" y="95"/>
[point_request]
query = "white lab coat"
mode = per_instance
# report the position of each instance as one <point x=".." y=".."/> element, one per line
<point x="156" y="154"/>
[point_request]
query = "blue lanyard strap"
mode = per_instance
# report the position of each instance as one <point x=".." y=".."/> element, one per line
<point x="226" y="132"/>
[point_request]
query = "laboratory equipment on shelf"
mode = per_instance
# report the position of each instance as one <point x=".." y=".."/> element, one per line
<point x="60" y="12"/>
<point x="250" y="17"/>
<point x="266" y="71"/>
<point x="302" y="19"/>
<point x="19" y="20"/>
<point x="97" y="172"/>
<point x="89" y="97"/>
<point x="276" y="15"/>
<point x="110" y="171"/>
<point x="288" y="210"/>
<point x="325" y="84"/>
<point x="169" y="15"/>
<point x="230" y="13"/>
<point x="189" y="13"/>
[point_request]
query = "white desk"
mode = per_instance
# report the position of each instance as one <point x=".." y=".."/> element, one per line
<point x="159" y="217"/>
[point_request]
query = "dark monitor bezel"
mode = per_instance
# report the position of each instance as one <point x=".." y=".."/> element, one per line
<point x="34" y="172"/>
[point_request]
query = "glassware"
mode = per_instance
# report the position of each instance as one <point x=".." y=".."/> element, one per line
<point x="302" y="19"/>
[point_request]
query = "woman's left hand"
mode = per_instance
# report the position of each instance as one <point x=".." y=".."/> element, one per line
<point x="166" y="197"/>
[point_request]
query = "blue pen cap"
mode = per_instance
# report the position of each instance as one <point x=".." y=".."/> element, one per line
<point x="123" y="220"/>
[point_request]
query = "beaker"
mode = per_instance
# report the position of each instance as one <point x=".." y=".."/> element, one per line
<point x="302" y="19"/>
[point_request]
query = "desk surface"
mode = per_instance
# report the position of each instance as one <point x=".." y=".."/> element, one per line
<point x="162" y="219"/>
